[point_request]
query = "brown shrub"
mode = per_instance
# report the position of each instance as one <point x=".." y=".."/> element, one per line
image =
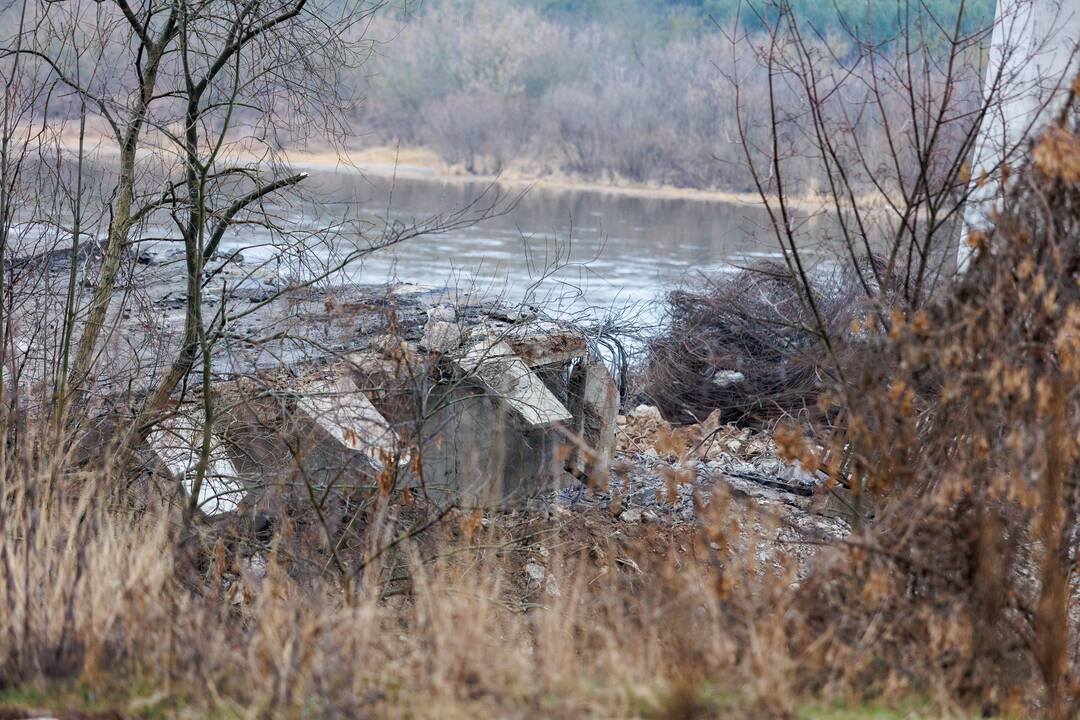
<point x="966" y="428"/>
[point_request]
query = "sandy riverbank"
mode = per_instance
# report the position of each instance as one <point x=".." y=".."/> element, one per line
<point x="423" y="164"/>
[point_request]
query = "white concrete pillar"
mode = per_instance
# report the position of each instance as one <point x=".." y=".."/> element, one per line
<point x="1032" y="60"/>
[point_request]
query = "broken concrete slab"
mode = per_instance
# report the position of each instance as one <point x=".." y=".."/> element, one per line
<point x="506" y="375"/>
<point x="377" y="370"/>
<point x="345" y="413"/>
<point x="177" y="442"/>
<point x="600" y="406"/>
<point x="539" y="345"/>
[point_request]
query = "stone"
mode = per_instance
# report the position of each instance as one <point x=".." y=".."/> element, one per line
<point x="631" y="515"/>
<point x="442" y="313"/>
<point x="724" y="378"/>
<point x="646" y="413"/>
<point x="253" y="289"/>
<point x="441" y="336"/>
<point x="795" y="474"/>
<point x="535" y="572"/>
<point x="508" y="377"/>
<point x="771" y="466"/>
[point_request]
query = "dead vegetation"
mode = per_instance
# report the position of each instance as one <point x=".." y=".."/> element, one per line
<point x="490" y="614"/>
<point x="966" y="424"/>
<point x="748" y="346"/>
<point x="952" y="414"/>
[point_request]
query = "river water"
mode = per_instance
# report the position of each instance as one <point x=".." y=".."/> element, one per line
<point x="568" y="250"/>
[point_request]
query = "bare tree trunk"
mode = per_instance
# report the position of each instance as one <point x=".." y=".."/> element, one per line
<point x="122" y="213"/>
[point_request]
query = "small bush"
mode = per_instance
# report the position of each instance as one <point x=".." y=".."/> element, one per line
<point x="745" y="344"/>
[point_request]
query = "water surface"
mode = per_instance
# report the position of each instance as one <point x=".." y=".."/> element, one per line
<point x="569" y="250"/>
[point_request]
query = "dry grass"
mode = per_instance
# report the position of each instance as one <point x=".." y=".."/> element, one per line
<point x="626" y="622"/>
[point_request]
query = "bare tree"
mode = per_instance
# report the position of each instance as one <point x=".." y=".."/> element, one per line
<point x="210" y="91"/>
<point x="190" y="107"/>
<point x="890" y="128"/>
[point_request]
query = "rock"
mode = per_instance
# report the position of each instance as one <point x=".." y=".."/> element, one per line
<point x="646" y="413"/>
<point x="723" y="378"/>
<point x="771" y="466"/>
<point x="631" y="515"/>
<point x="441" y="336"/>
<point x="538" y="578"/>
<point x="795" y="474"/>
<point x="253" y="289"/>
<point x="254" y="567"/>
<point x="535" y="572"/>
<point x="441" y="313"/>
<point x="641" y="429"/>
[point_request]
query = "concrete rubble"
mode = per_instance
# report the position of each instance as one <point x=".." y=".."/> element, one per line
<point x="177" y="442"/>
<point x="663" y="475"/>
<point x="321" y="393"/>
<point x="463" y="401"/>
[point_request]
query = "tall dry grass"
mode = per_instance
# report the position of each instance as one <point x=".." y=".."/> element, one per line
<point x="626" y="621"/>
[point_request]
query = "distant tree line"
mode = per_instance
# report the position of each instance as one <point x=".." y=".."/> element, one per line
<point x="879" y="18"/>
<point x="625" y="90"/>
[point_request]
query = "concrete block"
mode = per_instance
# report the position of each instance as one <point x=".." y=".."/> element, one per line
<point x="596" y="407"/>
<point x="177" y="443"/>
<point x="336" y="405"/>
<point x="508" y="377"/>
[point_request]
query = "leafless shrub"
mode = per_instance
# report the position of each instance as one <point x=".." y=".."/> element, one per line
<point x="746" y="344"/>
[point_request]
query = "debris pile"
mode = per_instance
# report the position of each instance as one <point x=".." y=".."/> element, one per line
<point x="665" y="473"/>
<point x="746" y="345"/>
<point x="461" y="401"/>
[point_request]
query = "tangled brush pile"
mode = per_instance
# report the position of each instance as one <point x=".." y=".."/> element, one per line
<point x="746" y="345"/>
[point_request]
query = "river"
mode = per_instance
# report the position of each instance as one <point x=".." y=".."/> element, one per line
<point x="570" y="251"/>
